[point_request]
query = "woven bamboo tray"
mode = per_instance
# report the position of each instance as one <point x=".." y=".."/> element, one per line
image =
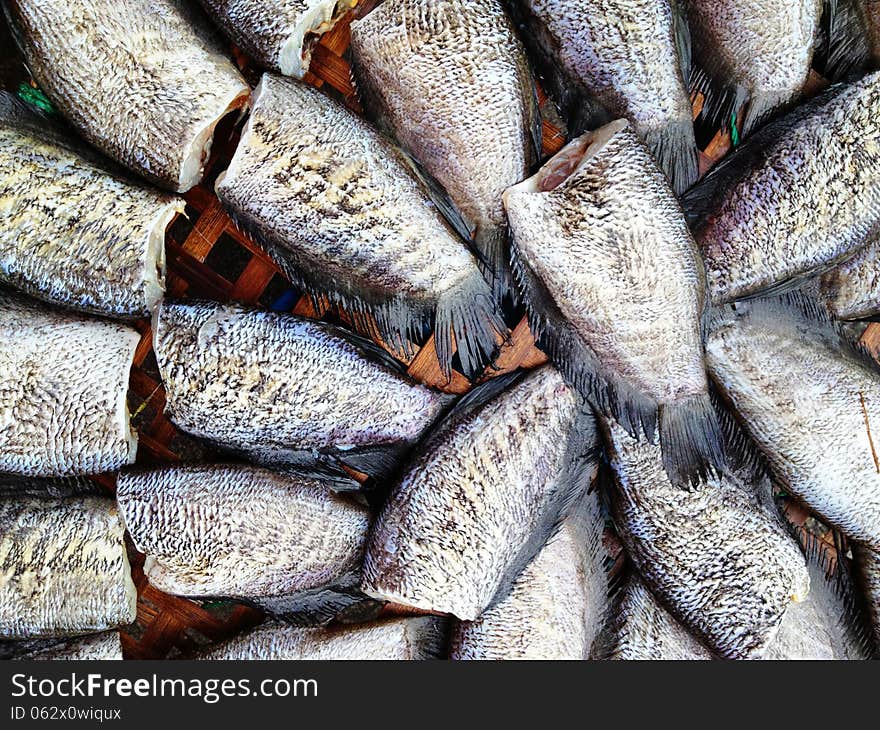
<point x="208" y="257"/>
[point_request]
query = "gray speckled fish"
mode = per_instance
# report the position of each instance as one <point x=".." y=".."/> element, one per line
<point x="243" y="532"/>
<point x="629" y="56"/>
<point x="140" y="79"/>
<point x="555" y="608"/>
<point x="615" y="291"/>
<point x="451" y="79"/>
<point x="481" y="496"/>
<point x="281" y="389"/>
<point x="825" y="625"/>
<point x="812" y="408"/>
<point x="98" y="647"/>
<point x="64" y="567"/>
<point x="339" y="208"/>
<point x="398" y="639"/>
<point x="278" y="34"/>
<point x="72" y="231"/>
<point x="63" y="388"/>
<point x="852" y="289"/>
<point x="752" y="52"/>
<point x="799" y="196"/>
<point x="718" y="556"/>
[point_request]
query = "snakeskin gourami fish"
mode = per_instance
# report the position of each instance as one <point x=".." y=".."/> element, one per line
<point x="338" y="206"/>
<point x="481" y="496"/>
<point x="286" y="390"/>
<point x="63" y="389"/>
<point x="144" y="81"/>
<point x="451" y="80"/>
<point x="619" y="58"/>
<point x="73" y="231"/>
<point x="279" y="34"/>
<point x="615" y="291"/>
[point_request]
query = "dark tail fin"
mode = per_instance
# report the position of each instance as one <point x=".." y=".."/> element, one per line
<point x="691" y="439"/>
<point x="491" y="246"/>
<point x="470" y="313"/>
<point x="675" y="149"/>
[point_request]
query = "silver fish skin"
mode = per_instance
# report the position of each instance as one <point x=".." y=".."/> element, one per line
<point x="63" y="388"/>
<point x="852" y="289"/>
<point x="756" y="53"/>
<point x="866" y="565"/>
<point x="629" y="56"/>
<point x="808" y="405"/>
<point x="98" y="246"/>
<point x="240" y="531"/>
<point x="141" y="80"/>
<point x="106" y="646"/>
<point x="615" y="291"/>
<point x="481" y="496"/>
<point x="718" y="556"/>
<point x="641" y="629"/>
<point x="821" y="627"/>
<point x="451" y="79"/>
<point x="338" y="206"/>
<point x="64" y="566"/>
<point x="286" y="390"/>
<point x="400" y="639"/>
<point x="798" y="197"/>
<point x="278" y="34"/>
<point x="557" y="604"/>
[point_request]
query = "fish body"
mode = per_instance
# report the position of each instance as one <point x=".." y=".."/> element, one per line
<point x="278" y="34"/>
<point x="141" y="80"/>
<point x="64" y="566"/>
<point x="398" y="639"/>
<point x="852" y="289"/>
<point x="629" y="56"/>
<point x="63" y="387"/>
<point x="73" y="232"/>
<point x="615" y="290"/>
<point x="241" y="531"/>
<point x="286" y="390"/>
<point x="339" y="208"/>
<point x="97" y="647"/>
<point x="808" y="404"/>
<point x="557" y="604"/>
<point x="481" y="496"/>
<point x="451" y="79"/>
<point x="718" y="556"/>
<point x="798" y="197"/>
<point x="755" y="53"/>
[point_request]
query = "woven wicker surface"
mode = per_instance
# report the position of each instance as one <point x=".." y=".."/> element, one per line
<point x="209" y="257"/>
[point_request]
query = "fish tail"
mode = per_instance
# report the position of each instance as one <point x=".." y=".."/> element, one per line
<point x="675" y="148"/>
<point x="470" y="313"/>
<point x="691" y="440"/>
<point x="762" y="106"/>
<point x="491" y="244"/>
<point x="844" y="46"/>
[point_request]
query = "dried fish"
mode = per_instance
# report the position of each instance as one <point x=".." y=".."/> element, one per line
<point x="481" y="496"/>
<point x="615" y="291"/>
<point x="286" y="390"/>
<point x="64" y="567"/>
<point x="142" y="80"/>
<point x="338" y="207"/>
<point x="63" y="387"/>
<point x="852" y="289"/>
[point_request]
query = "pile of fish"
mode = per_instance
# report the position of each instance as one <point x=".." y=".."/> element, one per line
<point x="623" y="501"/>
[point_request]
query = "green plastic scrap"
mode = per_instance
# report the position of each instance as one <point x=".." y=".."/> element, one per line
<point x="734" y="132"/>
<point x="36" y="97"/>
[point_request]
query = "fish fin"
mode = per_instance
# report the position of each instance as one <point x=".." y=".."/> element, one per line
<point x="674" y="146"/>
<point x="762" y="107"/>
<point x="682" y="33"/>
<point x="13" y="486"/>
<point x="691" y="441"/>
<point x="721" y="100"/>
<point x="468" y="312"/>
<point x="491" y="248"/>
<point x="741" y="452"/>
<point x="438" y="195"/>
<point x="843" y="47"/>
<point x="432" y="637"/>
<point x="370" y="349"/>
<point x="481" y="394"/>
<point x="578" y="365"/>
<point x="579" y="464"/>
<point x="315" y="607"/>
<point x="380" y="462"/>
<point x="866" y="560"/>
